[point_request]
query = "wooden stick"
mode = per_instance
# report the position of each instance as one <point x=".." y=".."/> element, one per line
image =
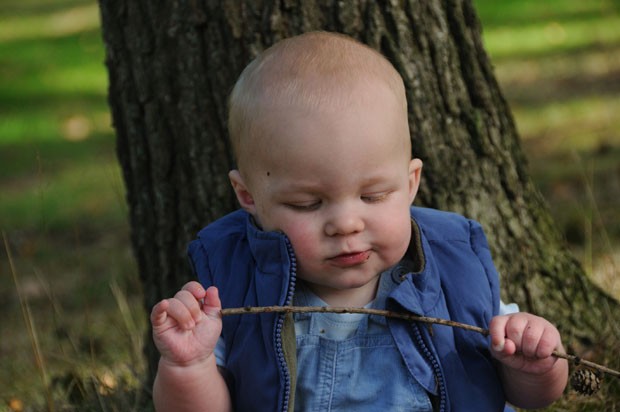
<point x="366" y="311"/>
<point x="398" y="315"/>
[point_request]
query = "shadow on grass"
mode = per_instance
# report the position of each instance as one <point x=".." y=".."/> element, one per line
<point x="26" y="159"/>
<point x="549" y="90"/>
<point x="69" y="63"/>
<point x="50" y="102"/>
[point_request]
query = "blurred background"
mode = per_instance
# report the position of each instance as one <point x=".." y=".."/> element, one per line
<point x="73" y="313"/>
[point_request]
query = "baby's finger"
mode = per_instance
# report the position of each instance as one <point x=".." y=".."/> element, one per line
<point x="195" y="289"/>
<point x="549" y="341"/>
<point x="515" y="328"/>
<point x="178" y="311"/>
<point x="497" y="331"/>
<point x="159" y="313"/>
<point x="190" y="301"/>
<point x="531" y="336"/>
<point x="212" y="304"/>
<point x="212" y="297"/>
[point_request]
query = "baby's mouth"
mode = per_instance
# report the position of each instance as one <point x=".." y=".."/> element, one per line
<point x="350" y="259"/>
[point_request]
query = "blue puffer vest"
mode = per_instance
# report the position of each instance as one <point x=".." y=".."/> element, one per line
<point x="457" y="280"/>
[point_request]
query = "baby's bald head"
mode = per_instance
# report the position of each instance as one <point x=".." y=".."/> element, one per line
<point x="316" y="71"/>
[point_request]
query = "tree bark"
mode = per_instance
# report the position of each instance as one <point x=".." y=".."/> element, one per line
<point x="172" y="64"/>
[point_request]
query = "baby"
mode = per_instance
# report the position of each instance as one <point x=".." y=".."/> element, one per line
<point x="325" y="180"/>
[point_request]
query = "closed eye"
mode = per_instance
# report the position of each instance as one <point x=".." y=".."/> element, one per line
<point x="304" y="207"/>
<point x="375" y="197"/>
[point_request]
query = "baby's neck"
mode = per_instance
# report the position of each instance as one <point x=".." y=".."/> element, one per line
<point x="353" y="298"/>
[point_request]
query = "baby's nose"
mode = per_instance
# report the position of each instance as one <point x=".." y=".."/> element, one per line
<point x="344" y="222"/>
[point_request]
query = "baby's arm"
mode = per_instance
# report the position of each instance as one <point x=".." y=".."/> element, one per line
<point x="186" y="329"/>
<point x="523" y="343"/>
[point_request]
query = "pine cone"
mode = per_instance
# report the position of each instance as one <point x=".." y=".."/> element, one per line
<point x="585" y="381"/>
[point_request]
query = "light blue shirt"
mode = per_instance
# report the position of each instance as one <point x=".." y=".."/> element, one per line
<point x="350" y="362"/>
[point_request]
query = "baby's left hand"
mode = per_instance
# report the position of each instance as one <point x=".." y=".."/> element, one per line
<point x="524" y="342"/>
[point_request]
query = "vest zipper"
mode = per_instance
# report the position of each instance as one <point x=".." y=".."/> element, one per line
<point x="434" y="364"/>
<point x="280" y="324"/>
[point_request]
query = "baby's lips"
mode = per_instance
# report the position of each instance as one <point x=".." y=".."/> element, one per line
<point x="350" y="259"/>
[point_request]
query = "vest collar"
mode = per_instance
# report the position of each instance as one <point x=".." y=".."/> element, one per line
<point x="420" y="285"/>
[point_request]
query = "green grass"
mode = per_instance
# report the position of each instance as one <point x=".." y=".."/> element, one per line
<point x="559" y="67"/>
<point x="93" y="189"/>
<point x="62" y="204"/>
<point x="56" y="143"/>
<point x="63" y="212"/>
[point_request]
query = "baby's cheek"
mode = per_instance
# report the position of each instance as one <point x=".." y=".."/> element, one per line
<point x="304" y="241"/>
<point x="395" y="237"/>
<point x="308" y="258"/>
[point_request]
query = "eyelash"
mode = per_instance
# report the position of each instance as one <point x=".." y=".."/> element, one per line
<point x="304" y="208"/>
<point x="314" y="206"/>
<point x="375" y="198"/>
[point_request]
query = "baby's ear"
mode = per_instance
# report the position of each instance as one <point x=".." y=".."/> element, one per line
<point x="241" y="190"/>
<point x="415" y="173"/>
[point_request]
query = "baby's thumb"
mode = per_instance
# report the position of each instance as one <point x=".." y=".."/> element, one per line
<point x="212" y="304"/>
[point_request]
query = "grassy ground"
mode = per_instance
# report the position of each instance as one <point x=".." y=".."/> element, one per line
<point x="62" y="213"/>
<point x="559" y="67"/>
<point x="72" y="314"/>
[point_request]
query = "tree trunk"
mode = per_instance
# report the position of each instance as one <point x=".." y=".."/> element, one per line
<point x="172" y="64"/>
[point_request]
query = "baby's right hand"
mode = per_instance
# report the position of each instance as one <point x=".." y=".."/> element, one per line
<point x="186" y="328"/>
